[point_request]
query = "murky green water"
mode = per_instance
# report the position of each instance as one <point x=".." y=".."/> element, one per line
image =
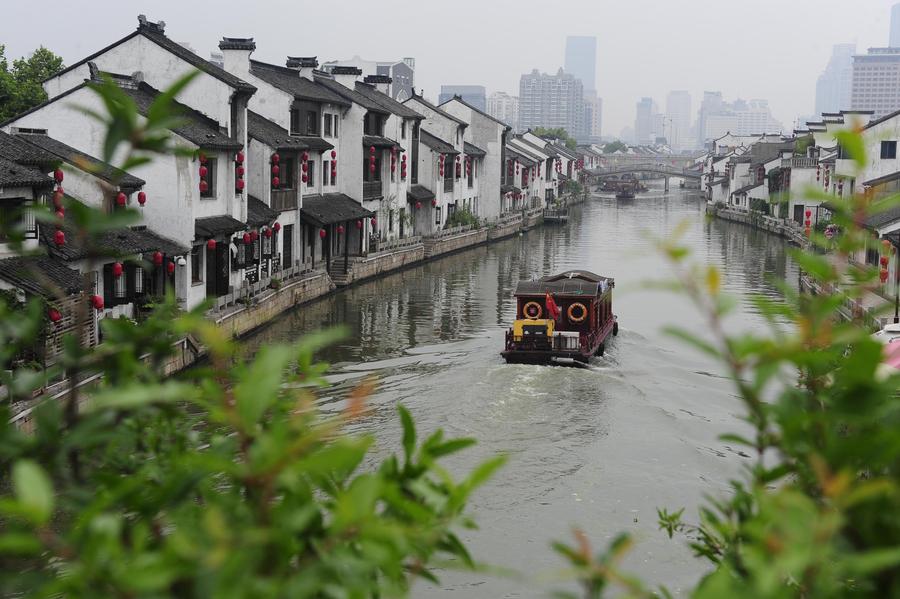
<point x="598" y="448"/>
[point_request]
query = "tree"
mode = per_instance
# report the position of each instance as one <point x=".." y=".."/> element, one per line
<point x="614" y="146"/>
<point x="20" y="87"/>
<point x="556" y="133"/>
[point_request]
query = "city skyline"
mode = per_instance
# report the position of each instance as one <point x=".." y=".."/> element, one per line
<point x="789" y="85"/>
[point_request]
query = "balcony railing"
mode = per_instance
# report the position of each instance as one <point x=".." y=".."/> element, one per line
<point x="799" y="162"/>
<point x="448" y="185"/>
<point x="284" y="199"/>
<point x="371" y="189"/>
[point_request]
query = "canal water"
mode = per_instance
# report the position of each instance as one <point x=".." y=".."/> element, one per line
<point x="598" y="448"/>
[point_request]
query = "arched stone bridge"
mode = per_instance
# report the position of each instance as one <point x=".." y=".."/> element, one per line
<point x="652" y="168"/>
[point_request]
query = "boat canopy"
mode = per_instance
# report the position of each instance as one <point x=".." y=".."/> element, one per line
<point x="579" y="283"/>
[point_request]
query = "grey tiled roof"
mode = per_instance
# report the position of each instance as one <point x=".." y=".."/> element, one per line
<point x="474" y="109"/>
<point x="211" y="226"/>
<point x="272" y="134"/>
<point x="435" y="143"/>
<point x="419" y="193"/>
<point x="118" y="242"/>
<point x="351" y="95"/>
<point x="522" y="158"/>
<point x="83" y="161"/>
<point x="13" y="148"/>
<point x="387" y="102"/>
<point x="195" y="127"/>
<point x="379" y="142"/>
<point x="16" y="175"/>
<point x="882" y="218"/>
<point x="473" y="150"/>
<point x="331" y="208"/>
<point x="440" y="111"/>
<point x="258" y="214"/>
<point x="290" y="81"/>
<point x="39" y="275"/>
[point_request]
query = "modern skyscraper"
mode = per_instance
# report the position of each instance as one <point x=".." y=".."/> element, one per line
<point x="593" y="116"/>
<point x="474" y="95"/>
<point x="645" y="122"/>
<point x="552" y="101"/>
<point x="836" y="81"/>
<point x="678" y="115"/>
<point x="581" y="60"/>
<point x="876" y="81"/>
<point x="712" y="104"/>
<point x="505" y="108"/>
<point x="894" y="41"/>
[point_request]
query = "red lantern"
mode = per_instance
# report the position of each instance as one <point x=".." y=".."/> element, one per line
<point x="54" y="315"/>
<point x="304" y="178"/>
<point x="371" y="168"/>
<point x="60" y="214"/>
<point x="204" y="186"/>
<point x="305" y="156"/>
<point x="441" y="158"/>
<point x="359" y="224"/>
<point x="117" y="269"/>
<point x="157" y="258"/>
<point x="434" y="202"/>
<point x="276" y="181"/>
<point x="304" y="167"/>
<point x="418" y="205"/>
<point x="202" y="158"/>
<point x="58" y="175"/>
<point x="393" y="168"/>
<point x="340" y="229"/>
<point x="239" y="171"/>
<point x="373" y="221"/>
<point x="246" y="238"/>
<point x="333" y="154"/>
<point x="275" y="158"/>
<point x="59" y="238"/>
<point x="121" y="199"/>
<point x="268" y="232"/>
<point x="403" y="158"/>
<point x="254" y="235"/>
<point x="211" y="244"/>
<point x="322" y="233"/>
<point x="170" y="267"/>
<point x="97" y="302"/>
<point x="239" y="158"/>
<point x="58" y="197"/>
<point x="808" y="213"/>
<point x="142" y="198"/>
<point x="883" y="275"/>
<point x="277" y="227"/>
<point x="275" y="169"/>
<point x="203" y="172"/>
<point x="371" y="149"/>
<point x="239" y="184"/>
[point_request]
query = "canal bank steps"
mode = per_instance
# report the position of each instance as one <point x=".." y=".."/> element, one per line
<point x="870" y="308"/>
<point x="254" y="306"/>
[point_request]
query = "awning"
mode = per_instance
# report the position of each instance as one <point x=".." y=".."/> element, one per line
<point x="379" y="142"/>
<point x="258" y="214"/>
<point x="510" y="189"/>
<point x="419" y="193"/>
<point x="40" y="275"/>
<point x="330" y="208"/>
<point x="473" y="150"/>
<point x="212" y="226"/>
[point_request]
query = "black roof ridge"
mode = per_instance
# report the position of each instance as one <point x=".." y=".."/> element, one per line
<point x="30" y="138"/>
<point x="438" y="140"/>
<point x="389" y="102"/>
<point x="350" y="94"/>
<point x="440" y="111"/>
<point x="459" y="99"/>
<point x="279" y="70"/>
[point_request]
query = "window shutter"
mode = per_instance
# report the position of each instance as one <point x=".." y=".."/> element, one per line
<point x="109" y="296"/>
<point x="130" y="293"/>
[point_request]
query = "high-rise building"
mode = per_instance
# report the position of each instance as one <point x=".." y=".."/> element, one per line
<point x="473" y="95"/>
<point x="836" y="81"/>
<point x="678" y="115"/>
<point x="581" y="60"/>
<point x="741" y="117"/>
<point x="894" y="41"/>
<point x="645" y="122"/>
<point x="876" y="81"/>
<point x="712" y="104"/>
<point x="505" y="108"/>
<point x="552" y="101"/>
<point x="402" y="73"/>
<point x="755" y="117"/>
<point x="593" y="116"/>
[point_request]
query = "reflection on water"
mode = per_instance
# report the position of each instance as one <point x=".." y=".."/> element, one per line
<point x="601" y="447"/>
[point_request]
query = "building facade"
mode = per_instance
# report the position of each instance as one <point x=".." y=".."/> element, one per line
<point x="402" y="73"/>
<point x="834" y="85"/>
<point x="475" y="95"/>
<point x="552" y="101"/>
<point x="678" y="115"/>
<point x="505" y="108"/>
<point x="876" y="81"/>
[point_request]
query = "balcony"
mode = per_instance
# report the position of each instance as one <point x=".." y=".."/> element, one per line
<point x="371" y="190"/>
<point x="284" y="199"/>
<point x="799" y="162"/>
<point x="448" y="185"/>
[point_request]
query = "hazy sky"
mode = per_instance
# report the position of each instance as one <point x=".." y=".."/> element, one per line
<point x="773" y="49"/>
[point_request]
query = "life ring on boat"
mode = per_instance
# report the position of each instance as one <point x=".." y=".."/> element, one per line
<point x="583" y="312"/>
<point x="532" y="310"/>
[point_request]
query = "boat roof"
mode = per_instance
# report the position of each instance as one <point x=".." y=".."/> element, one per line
<point x="571" y="283"/>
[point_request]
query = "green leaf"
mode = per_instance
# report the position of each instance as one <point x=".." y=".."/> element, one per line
<point x="409" y="432"/>
<point x="33" y="489"/>
<point x="853" y="145"/>
<point x="260" y="385"/>
<point x="139" y="395"/>
<point x="18" y="543"/>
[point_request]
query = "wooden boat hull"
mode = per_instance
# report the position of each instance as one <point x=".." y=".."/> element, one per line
<point x="594" y="347"/>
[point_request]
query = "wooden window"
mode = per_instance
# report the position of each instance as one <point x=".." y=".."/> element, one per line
<point x="197" y="264"/>
<point x="888" y="150"/>
<point x="326" y="129"/>
<point x="403" y="130"/>
<point x="326" y="172"/>
<point x="335" y="125"/>
<point x="312" y="122"/>
<point x="286" y="173"/>
<point x="211" y="173"/>
<point x="17" y="213"/>
<point x="368" y="175"/>
<point x="311" y="173"/>
<point x="295" y="122"/>
<point x="437" y="215"/>
<point x="266" y="246"/>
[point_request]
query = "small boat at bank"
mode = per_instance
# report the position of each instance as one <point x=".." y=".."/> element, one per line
<point x="556" y="215"/>
<point x="626" y="190"/>
<point x="564" y="318"/>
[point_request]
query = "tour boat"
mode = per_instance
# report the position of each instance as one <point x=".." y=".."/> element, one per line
<point x="626" y="190"/>
<point x="564" y="318"/>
